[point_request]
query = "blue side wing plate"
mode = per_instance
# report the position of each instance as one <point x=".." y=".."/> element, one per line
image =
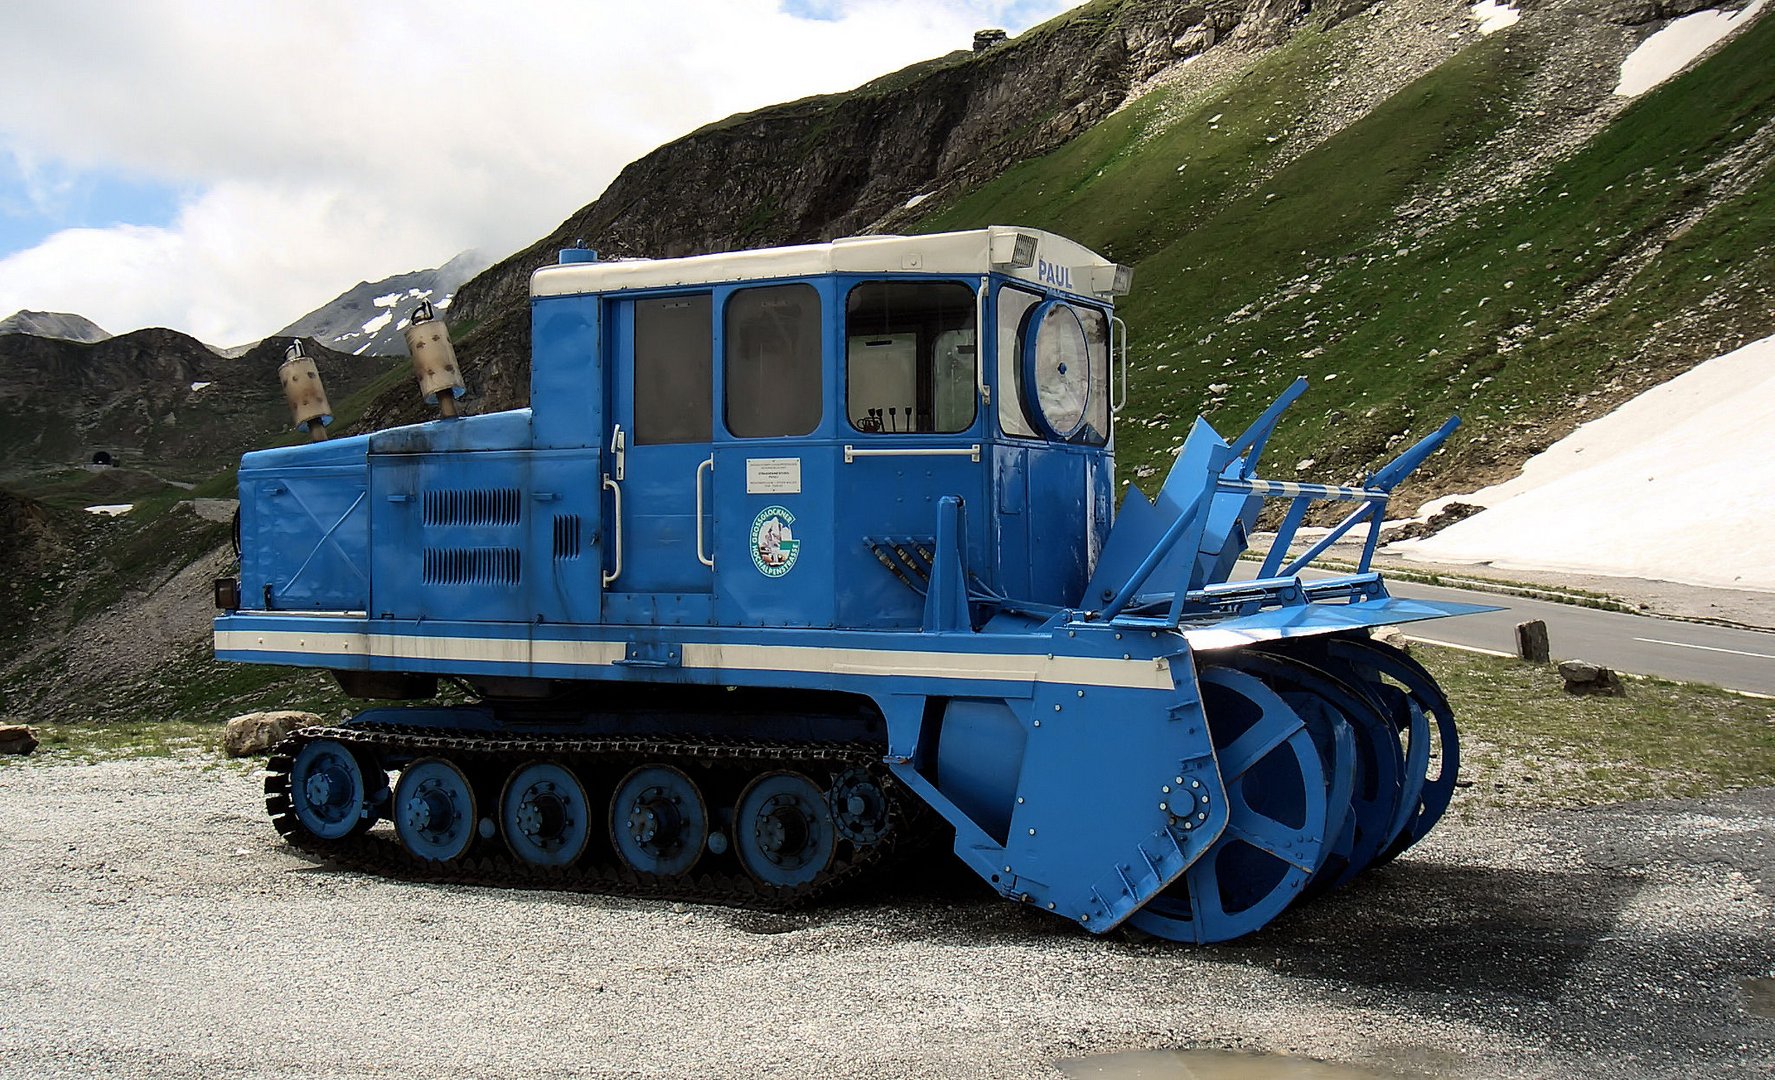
<point x="1308" y="620"/>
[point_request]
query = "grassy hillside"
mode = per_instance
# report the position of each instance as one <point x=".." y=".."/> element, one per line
<point x="1545" y="301"/>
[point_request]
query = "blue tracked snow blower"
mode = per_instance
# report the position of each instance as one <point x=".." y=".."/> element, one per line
<point x="801" y="552"/>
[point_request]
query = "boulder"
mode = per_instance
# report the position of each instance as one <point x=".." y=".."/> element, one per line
<point x="1197" y="40"/>
<point x="257" y="732"/>
<point x="17" y="739"/>
<point x="1583" y="677"/>
<point x="986" y="39"/>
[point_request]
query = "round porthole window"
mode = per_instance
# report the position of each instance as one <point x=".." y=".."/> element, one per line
<point x="1057" y="369"/>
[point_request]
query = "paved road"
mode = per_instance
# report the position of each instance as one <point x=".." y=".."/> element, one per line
<point x="1741" y="660"/>
<point x="1693" y="652"/>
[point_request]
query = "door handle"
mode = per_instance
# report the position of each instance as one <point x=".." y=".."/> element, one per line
<point x="706" y="560"/>
<point x="618" y="450"/>
<point x="615" y="490"/>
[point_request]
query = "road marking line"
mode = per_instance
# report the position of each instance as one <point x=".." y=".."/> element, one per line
<point x="1708" y="648"/>
<point x="1454" y="645"/>
<point x="1629" y="674"/>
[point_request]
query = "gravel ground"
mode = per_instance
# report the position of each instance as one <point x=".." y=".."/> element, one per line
<point x="152" y="923"/>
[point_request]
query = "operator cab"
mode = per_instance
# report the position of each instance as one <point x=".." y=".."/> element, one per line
<point x="777" y="427"/>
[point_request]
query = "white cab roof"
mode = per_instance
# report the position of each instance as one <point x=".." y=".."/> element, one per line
<point x="1041" y="258"/>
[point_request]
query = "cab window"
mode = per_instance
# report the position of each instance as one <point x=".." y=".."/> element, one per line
<point x="674" y="347"/>
<point x="1013" y="306"/>
<point x="772" y="364"/>
<point x="910" y="357"/>
<point x="1097" y="407"/>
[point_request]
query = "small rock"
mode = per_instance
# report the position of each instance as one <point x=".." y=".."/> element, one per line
<point x="17" y="739"/>
<point x="1441" y="519"/>
<point x="1583" y="677"/>
<point x="1390" y="635"/>
<point x="257" y="732"/>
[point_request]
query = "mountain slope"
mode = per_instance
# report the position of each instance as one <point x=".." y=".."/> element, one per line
<point x="832" y="165"/>
<point x="1423" y="218"/>
<point x="839" y="164"/>
<point x="53" y="324"/>
<point x="154" y="398"/>
<point x="1553" y="295"/>
<point x="368" y="318"/>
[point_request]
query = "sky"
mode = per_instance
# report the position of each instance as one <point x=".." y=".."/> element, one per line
<point x="222" y="167"/>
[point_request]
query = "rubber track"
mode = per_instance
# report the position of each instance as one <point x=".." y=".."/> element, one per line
<point x="489" y="862"/>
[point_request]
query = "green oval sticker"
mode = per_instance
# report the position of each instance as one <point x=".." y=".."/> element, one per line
<point x="774" y="547"/>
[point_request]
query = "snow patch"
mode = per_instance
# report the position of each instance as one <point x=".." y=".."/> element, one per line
<point x="916" y="199"/>
<point x="1490" y="16"/>
<point x="196" y="386"/>
<point x="444" y="303"/>
<point x="1672" y="486"/>
<point x="390" y="300"/>
<point x="376" y="324"/>
<point x="1674" y="47"/>
<point x="111" y="509"/>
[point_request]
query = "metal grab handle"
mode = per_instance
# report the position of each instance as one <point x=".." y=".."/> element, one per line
<point x="616" y="498"/>
<point x="706" y="560"/>
<point x="852" y="453"/>
<point x="1116" y="401"/>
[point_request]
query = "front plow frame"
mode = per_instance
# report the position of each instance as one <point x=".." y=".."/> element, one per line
<point x="1289" y="722"/>
<point x="1168" y="564"/>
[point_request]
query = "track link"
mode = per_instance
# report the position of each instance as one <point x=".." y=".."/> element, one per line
<point x="715" y="879"/>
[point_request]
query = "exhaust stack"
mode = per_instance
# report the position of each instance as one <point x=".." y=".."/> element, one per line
<point x="303" y="390"/>
<point x="434" y="360"/>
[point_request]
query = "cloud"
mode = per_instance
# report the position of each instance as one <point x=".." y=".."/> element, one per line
<point x="235" y="264"/>
<point x="326" y="142"/>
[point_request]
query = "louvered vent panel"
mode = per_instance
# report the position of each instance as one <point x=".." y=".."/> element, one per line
<point x="471" y="566"/>
<point x="567" y="531"/>
<point x="479" y="506"/>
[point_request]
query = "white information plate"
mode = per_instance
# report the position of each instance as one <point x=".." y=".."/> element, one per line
<point x="773" y="476"/>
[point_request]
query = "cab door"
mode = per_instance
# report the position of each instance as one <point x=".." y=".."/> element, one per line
<point x="660" y="461"/>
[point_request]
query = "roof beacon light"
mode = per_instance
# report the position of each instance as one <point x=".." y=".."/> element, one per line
<point x="304" y="392"/>
<point x="1013" y="248"/>
<point x="434" y="360"/>
<point x="1113" y="280"/>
